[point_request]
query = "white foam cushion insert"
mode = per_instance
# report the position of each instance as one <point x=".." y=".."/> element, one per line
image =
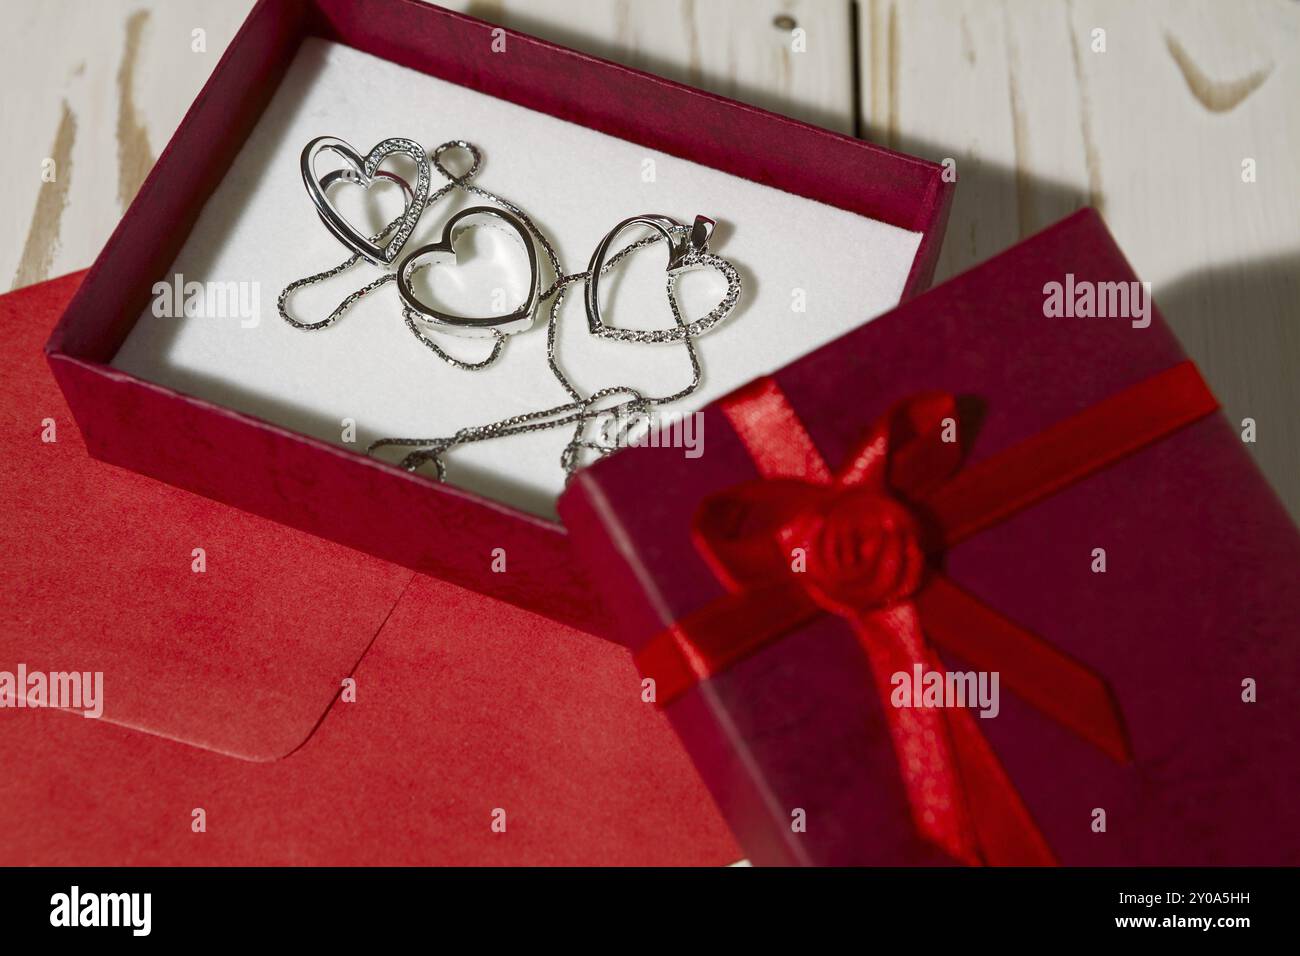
<point x="260" y="228"/>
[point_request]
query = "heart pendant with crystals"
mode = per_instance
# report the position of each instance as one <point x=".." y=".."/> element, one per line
<point x="365" y="172"/>
<point x="688" y="248"/>
<point x="443" y="252"/>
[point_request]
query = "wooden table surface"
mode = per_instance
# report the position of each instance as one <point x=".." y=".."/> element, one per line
<point x="1155" y="130"/>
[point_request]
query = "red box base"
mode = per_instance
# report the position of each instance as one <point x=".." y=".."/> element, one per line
<point x="338" y="493"/>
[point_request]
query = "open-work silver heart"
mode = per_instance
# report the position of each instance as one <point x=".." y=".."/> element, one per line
<point x="365" y="172"/>
<point x="688" y="248"/>
<point x="443" y="252"/>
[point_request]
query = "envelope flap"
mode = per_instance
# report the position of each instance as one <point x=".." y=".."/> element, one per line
<point x="209" y="626"/>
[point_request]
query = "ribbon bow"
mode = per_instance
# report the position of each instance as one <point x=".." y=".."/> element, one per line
<point x="860" y="542"/>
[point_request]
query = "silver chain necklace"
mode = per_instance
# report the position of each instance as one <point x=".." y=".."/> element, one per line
<point x="582" y="409"/>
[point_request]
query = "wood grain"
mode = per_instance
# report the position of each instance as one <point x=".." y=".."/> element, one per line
<point x="1153" y="132"/>
<point x="98" y="86"/>
<point x="738" y="48"/>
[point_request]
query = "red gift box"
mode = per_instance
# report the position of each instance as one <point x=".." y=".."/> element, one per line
<point x="1104" y="543"/>
<point x="337" y="493"/>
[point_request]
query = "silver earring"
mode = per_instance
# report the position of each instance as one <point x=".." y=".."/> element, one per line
<point x="688" y="248"/>
<point x="365" y="172"/>
<point x="444" y="251"/>
<point x="420" y="318"/>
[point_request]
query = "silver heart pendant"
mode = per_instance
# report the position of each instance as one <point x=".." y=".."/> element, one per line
<point x="365" y="172"/>
<point x="443" y="252"/>
<point x="688" y="248"/>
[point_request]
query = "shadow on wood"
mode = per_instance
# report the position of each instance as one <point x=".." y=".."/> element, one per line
<point x="1241" y="325"/>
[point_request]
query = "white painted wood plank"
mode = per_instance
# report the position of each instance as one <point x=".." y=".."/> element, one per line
<point x="1153" y="131"/>
<point x="99" y="87"/>
<point x="738" y="48"/>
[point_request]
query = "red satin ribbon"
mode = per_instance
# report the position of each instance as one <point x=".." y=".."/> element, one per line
<point x="868" y="533"/>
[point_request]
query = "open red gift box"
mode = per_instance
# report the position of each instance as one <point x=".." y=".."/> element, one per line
<point x="791" y="731"/>
<point x="973" y="484"/>
<point x="334" y="491"/>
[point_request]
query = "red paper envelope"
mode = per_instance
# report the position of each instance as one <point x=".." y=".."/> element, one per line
<point x="463" y="705"/>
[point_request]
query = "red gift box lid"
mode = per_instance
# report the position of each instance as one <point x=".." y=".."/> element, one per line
<point x="1200" y="593"/>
